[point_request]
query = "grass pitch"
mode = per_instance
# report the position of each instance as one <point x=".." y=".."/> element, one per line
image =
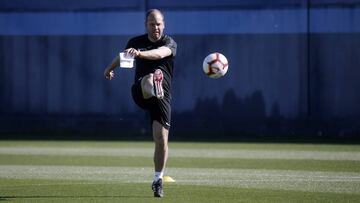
<point x="204" y="172"/>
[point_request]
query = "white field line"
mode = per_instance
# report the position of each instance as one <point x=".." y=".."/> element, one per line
<point x="192" y="153"/>
<point x="334" y="182"/>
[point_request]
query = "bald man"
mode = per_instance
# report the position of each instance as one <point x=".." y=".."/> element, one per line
<point x="154" y="54"/>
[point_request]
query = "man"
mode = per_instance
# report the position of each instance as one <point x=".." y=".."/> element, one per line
<point x="154" y="54"/>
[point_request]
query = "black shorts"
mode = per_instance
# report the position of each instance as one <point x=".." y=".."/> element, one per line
<point x="159" y="109"/>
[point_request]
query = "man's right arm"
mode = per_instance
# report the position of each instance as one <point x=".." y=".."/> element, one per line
<point x="108" y="73"/>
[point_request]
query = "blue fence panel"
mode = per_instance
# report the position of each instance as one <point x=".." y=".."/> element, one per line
<point x="69" y="5"/>
<point x="285" y="75"/>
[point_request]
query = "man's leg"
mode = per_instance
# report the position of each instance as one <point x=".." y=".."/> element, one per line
<point x="160" y="135"/>
<point x="147" y="86"/>
<point x="151" y="86"/>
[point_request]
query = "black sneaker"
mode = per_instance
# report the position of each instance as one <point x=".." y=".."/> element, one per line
<point x="157" y="187"/>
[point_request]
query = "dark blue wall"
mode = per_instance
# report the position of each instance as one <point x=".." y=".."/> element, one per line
<point x="294" y="68"/>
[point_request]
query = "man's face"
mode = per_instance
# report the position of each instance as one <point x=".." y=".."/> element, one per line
<point x="155" y="26"/>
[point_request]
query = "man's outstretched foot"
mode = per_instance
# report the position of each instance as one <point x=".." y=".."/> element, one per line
<point x="157" y="187"/>
<point x="158" y="79"/>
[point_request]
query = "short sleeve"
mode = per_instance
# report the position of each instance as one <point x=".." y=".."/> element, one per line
<point x="171" y="44"/>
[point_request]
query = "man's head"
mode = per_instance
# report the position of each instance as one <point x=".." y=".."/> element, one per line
<point x="155" y="24"/>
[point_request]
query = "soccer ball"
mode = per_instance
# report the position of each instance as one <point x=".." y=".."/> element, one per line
<point x="215" y="65"/>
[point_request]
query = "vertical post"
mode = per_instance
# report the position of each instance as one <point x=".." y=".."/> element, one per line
<point x="146" y="8"/>
<point x="308" y="62"/>
<point x="146" y="5"/>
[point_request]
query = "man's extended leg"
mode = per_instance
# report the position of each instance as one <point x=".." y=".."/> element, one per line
<point x="160" y="135"/>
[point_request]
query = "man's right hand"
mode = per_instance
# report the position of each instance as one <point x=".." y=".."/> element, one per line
<point x="109" y="74"/>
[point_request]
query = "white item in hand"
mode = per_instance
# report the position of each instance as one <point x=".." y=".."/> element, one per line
<point x="126" y="60"/>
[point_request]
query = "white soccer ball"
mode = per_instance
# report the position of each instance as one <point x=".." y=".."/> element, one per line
<point x="215" y="65"/>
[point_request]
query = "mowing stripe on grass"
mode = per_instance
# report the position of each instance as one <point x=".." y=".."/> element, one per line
<point x="335" y="182"/>
<point x="195" y="153"/>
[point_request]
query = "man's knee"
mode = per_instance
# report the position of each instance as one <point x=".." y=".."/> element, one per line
<point x="147" y="86"/>
<point x="160" y="137"/>
<point x="160" y="133"/>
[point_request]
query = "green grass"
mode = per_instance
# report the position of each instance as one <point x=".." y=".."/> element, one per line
<point x="71" y="191"/>
<point x="179" y="162"/>
<point x="187" y="145"/>
<point x="77" y="177"/>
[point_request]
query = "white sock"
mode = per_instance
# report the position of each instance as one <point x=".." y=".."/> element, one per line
<point x="158" y="175"/>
